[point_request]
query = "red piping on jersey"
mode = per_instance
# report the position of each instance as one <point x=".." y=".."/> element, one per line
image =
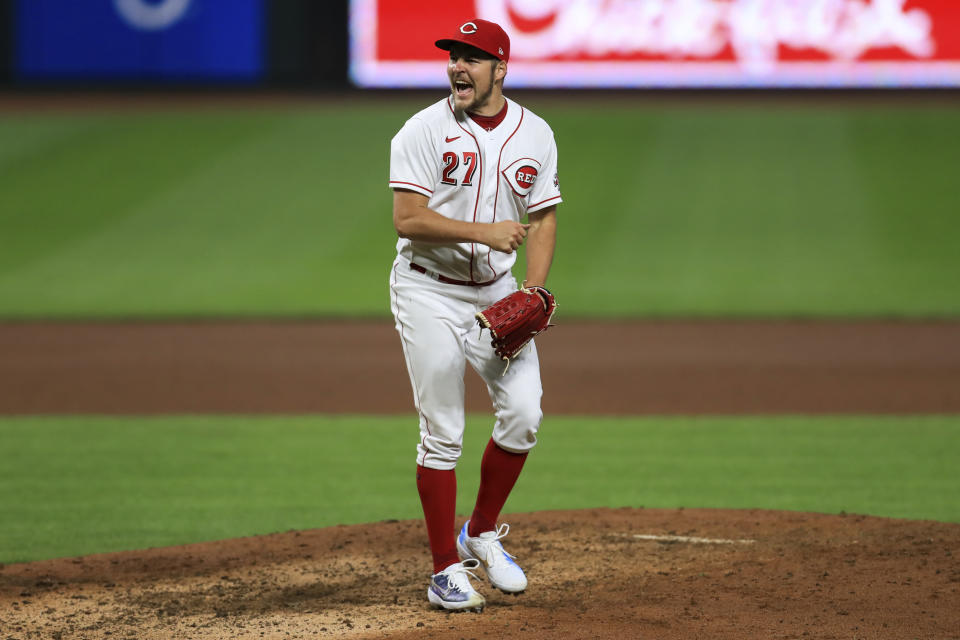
<point x="476" y="203"/>
<point x="537" y="204"/>
<point x="496" y="196"/>
<point x="412" y="184"/>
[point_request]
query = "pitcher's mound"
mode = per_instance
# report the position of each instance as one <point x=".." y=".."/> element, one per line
<point x="603" y="573"/>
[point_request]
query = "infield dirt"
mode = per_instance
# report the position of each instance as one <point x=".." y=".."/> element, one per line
<point x="589" y="368"/>
<point x="689" y="574"/>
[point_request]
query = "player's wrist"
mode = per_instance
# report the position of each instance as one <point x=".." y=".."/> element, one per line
<point x="483" y="233"/>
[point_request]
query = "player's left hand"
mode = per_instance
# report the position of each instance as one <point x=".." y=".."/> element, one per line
<point x="517" y="318"/>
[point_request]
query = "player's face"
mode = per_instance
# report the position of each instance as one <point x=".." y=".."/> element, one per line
<point x="472" y="80"/>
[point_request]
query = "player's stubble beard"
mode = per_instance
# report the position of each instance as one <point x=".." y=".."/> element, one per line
<point x="478" y="101"/>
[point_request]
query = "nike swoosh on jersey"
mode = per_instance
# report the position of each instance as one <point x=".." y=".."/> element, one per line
<point x="452" y="139"/>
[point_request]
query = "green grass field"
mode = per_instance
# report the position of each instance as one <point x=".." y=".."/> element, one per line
<point x="690" y="209"/>
<point x="72" y="486"/>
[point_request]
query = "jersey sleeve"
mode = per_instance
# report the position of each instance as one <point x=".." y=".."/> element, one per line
<point x="546" y="190"/>
<point x="413" y="161"/>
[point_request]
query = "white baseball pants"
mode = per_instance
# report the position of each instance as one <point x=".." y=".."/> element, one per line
<point x="439" y="334"/>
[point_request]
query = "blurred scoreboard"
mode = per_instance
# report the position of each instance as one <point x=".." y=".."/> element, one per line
<point x="140" y="40"/>
<point x="670" y="43"/>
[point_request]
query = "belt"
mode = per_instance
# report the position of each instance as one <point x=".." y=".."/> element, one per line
<point x="442" y="278"/>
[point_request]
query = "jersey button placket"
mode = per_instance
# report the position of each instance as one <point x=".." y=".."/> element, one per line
<point x="488" y="193"/>
<point x="491" y="153"/>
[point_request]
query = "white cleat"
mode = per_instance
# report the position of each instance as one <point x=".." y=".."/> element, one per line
<point x="451" y="589"/>
<point x="501" y="570"/>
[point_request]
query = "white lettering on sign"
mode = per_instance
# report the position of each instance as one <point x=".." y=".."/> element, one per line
<point x="151" y="16"/>
<point x="753" y="29"/>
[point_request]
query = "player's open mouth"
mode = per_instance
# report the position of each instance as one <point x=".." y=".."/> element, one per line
<point x="462" y="88"/>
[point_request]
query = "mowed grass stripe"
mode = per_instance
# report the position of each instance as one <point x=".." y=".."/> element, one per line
<point x="72" y="486"/>
<point x="702" y="210"/>
<point x="215" y="233"/>
<point x="729" y="206"/>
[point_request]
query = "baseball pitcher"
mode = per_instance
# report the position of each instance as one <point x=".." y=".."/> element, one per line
<point x="474" y="176"/>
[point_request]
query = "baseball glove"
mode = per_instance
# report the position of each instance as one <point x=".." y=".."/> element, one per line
<point x="515" y="319"/>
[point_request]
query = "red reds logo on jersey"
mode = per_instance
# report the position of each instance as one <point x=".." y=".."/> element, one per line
<point x="526" y="176"/>
<point x="521" y="174"/>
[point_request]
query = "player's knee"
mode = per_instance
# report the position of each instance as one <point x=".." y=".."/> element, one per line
<point x="517" y="442"/>
<point x="522" y="413"/>
<point x="517" y="429"/>
<point x="528" y="417"/>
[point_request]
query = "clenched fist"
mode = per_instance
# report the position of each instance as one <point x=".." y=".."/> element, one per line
<point x="506" y="236"/>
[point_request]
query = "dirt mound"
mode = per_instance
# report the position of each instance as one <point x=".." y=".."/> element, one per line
<point x="593" y="574"/>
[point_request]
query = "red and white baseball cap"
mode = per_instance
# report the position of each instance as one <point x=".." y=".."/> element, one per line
<point x="482" y="34"/>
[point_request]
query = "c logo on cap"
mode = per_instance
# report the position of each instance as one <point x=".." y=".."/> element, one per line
<point x="468" y="28"/>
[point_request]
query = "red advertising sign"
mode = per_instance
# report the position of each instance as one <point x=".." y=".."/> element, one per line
<point x="671" y="43"/>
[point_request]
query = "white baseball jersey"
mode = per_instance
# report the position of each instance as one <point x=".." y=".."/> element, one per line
<point x="474" y="175"/>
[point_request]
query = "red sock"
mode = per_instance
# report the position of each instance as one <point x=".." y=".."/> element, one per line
<point x="499" y="471"/>
<point x="438" y="495"/>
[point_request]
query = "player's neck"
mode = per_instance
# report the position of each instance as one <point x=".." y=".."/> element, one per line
<point x="491" y="107"/>
<point x="490" y="122"/>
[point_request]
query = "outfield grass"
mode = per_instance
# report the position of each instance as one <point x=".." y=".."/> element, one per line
<point x="696" y="209"/>
<point x="73" y="486"/>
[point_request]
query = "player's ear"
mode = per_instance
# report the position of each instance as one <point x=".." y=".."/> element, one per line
<point x="500" y="70"/>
